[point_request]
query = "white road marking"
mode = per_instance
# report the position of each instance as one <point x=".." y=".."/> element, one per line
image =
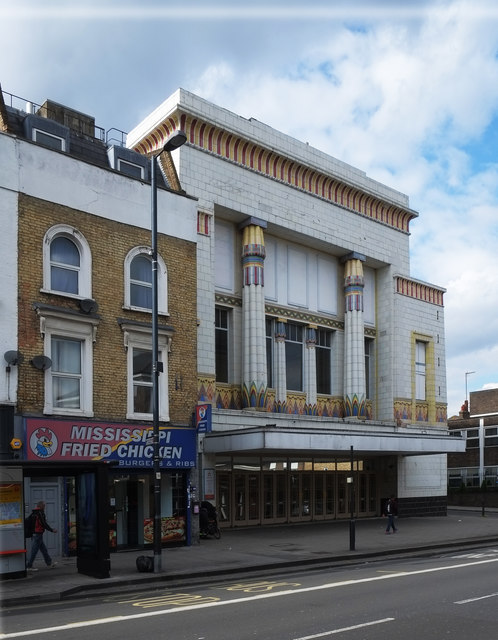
<point x="490" y="595"/>
<point x="353" y="628"/>
<point x="223" y="603"/>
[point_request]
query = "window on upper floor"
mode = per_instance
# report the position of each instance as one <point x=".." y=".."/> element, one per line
<point x="369" y="367"/>
<point x="138" y="281"/>
<point x="323" y="353"/>
<point x="138" y="343"/>
<point x="49" y="140"/>
<point x="294" y="356"/>
<point x="269" y="322"/>
<point x="66" y="372"/>
<point x="131" y="169"/>
<point x="67" y="263"/>
<point x="491" y="437"/>
<point x="222" y="327"/>
<point x="420" y="370"/>
<point x="68" y="342"/>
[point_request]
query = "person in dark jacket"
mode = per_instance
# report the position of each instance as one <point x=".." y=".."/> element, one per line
<point x="391" y="511"/>
<point x="37" y="544"/>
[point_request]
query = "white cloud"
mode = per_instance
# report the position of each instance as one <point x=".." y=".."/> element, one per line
<point x="402" y="102"/>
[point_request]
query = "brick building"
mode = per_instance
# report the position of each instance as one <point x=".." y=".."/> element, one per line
<point x="75" y="293"/>
<point x="317" y="350"/>
<point x="477" y="422"/>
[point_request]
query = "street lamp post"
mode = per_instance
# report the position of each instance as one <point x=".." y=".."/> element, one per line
<point x="174" y="140"/>
<point x="352" y="526"/>
<point x="467" y="374"/>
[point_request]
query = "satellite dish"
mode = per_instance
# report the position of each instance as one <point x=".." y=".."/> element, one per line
<point x="41" y="362"/>
<point x="88" y="305"/>
<point x="13" y="358"/>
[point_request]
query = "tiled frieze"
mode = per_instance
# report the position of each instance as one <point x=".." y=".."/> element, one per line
<point x="403" y="409"/>
<point x="419" y="291"/>
<point x="253" y="156"/>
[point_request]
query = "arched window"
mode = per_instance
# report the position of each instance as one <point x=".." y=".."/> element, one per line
<point x="64" y="265"/>
<point x="138" y="281"/>
<point x="67" y="262"/>
<point x="141" y="282"/>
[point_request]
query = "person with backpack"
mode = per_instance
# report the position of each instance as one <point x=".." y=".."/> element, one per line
<point x="391" y="511"/>
<point x="39" y="524"/>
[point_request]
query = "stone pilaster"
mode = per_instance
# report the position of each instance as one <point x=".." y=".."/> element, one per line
<point x="254" y="382"/>
<point x="310" y="371"/>
<point x="280" y="368"/>
<point x="354" y="339"/>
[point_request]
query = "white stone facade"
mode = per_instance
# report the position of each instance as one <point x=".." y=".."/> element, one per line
<point x="8" y="277"/>
<point x="316" y="213"/>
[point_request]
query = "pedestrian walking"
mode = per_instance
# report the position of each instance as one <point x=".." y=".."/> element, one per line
<point x="391" y="511"/>
<point x="37" y="543"/>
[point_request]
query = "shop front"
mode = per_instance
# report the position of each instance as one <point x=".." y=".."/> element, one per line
<point x="270" y="490"/>
<point x="128" y="451"/>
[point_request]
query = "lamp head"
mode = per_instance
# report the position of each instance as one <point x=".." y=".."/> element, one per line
<point x="174" y="140"/>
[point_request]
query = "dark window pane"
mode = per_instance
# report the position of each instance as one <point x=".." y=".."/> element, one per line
<point x="294" y="356"/>
<point x="323" y="370"/>
<point x="269" y="352"/>
<point x="64" y="280"/>
<point x="142" y="365"/>
<point x="294" y="365"/>
<point x="142" y="399"/>
<point x="142" y="380"/>
<point x="141" y="296"/>
<point x="141" y="269"/>
<point x="221" y="344"/>
<point x="130" y="169"/>
<point x="65" y="263"/>
<point x="64" y="251"/>
<point x="49" y="141"/>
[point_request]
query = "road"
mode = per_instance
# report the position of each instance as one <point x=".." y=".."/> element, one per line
<point x="451" y="596"/>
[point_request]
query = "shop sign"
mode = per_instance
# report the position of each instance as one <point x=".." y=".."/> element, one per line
<point x="128" y="445"/>
<point x="203" y="418"/>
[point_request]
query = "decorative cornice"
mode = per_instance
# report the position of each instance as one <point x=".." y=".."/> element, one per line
<point x="221" y="298"/>
<point x="292" y="172"/>
<point x="419" y="290"/>
<point x="303" y="316"/>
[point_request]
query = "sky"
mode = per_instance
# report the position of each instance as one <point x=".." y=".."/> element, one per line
<point x="405" y="90"/>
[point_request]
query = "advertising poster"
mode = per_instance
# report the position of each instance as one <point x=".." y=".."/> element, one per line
<point x="209" y="484"/>
<point x="10" y="503"/>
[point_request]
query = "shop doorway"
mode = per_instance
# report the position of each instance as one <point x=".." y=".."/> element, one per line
<point x="129" y="512"/>
<point x="50" y="493"/>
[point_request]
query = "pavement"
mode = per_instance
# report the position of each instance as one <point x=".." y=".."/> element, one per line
<point x="260" y="550"/>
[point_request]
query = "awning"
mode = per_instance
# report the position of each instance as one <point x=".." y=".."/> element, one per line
<point x="274" y="440"/>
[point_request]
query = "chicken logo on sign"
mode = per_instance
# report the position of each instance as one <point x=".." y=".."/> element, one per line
<point x="43" y="442"/>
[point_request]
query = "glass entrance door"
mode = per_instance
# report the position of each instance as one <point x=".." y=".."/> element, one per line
<point x="274" y="497"/>
<point x="300" y="484"/>
<point x="246" y="498"/>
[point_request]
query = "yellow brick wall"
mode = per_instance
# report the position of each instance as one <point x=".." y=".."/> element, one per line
<point x="109" y="242"/>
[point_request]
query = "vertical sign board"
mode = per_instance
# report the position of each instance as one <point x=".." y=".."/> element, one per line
<point x="209" y="484"/>
<point x="203" y="418"/>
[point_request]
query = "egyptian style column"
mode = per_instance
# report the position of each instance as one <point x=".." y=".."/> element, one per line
<point x="280" y="367"/>
<point x="254" y="382"/>
<point x="310" y="371"/>
<point x="354" y="339"/>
